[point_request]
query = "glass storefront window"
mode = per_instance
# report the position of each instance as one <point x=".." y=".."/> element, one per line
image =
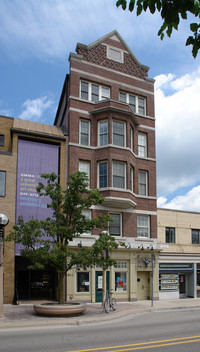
<point x="83" y="282"/>
<point x="120" y="281"/>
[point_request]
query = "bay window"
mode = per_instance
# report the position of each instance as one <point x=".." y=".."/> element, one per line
<point x="103" y="174"/>
<point x="119" y="171"/>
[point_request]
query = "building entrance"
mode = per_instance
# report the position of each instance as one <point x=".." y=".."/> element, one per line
<point x="143" y="285"/>
<point x="34" y="284"/>
<point x="99" y="285"/>
<point x="182" y="285"/>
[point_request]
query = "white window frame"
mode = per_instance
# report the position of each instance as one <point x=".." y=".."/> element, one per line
<point x="142" y="145"/>
<point x="113" y="175"/>
<point x="88" y="214"/>
<point x="140" y="226"/>
<point x="137" y="102"/>
<point x="143" y="184"/>
<point x="101" y="91"/>
<point x="80" y="131"/>
<point x="120" y="224"/>
<point x="124" y="133"/>
<point x="84" y="166"/>
<point x="102" y="162"/>
<point x="131" y="138"/>
<point x="131" y="178"/>
<point x="102" y="134"/>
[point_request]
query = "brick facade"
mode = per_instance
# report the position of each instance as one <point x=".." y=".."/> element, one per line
<point x="92" y="65"/>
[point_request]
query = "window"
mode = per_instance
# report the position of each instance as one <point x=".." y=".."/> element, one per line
<point x="131" y="178"/>
<point x="142" y="145"/>
<point x="143" y="183"/>
<point x="94" y="92"/>
<point x="120" y="281"/>
<point x="83" y="282"/>
<point x="137" y="104"/>
<point x="103" y="133"/>
<point x="170" y="234"/>
<point x="195" y="236"/>
<point x="131" y="138"/>
<point x="84" y="90"/>
<point x="88" y="214"/>
<point x="1" y="140"/>
<point x="115" y="225"/>
<point x="2" y="183"/>
<point x="103" y="174"/>
<point x="84" y="166"/>
<point x="119" y="133"/>
<point x="84" y="132"/>
<point x="143" y="226"/>
<point x="119" y="175"/>
<point x="121" y="265"/>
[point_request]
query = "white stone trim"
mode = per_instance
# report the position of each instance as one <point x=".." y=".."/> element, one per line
<point x="111" y="80"/>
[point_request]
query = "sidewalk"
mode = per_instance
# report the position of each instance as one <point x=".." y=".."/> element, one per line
<point x="23" y="315"/>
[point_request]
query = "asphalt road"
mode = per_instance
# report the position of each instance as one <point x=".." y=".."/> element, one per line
<point x="169" y="331"/>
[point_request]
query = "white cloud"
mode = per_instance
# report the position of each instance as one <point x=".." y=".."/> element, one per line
<point x="34" y="109"/>
<point x="4" y="110"/>
<point x="50" y="29"/>
<point x="190" y="201"/>
<point x="178" y="126"/>
<point x="163" y="79"/>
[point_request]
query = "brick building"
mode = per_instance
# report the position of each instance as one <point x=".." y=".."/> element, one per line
<point x="107" y="110"/>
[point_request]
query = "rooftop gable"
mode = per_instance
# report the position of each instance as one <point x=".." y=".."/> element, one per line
<point x="112" y="51"/>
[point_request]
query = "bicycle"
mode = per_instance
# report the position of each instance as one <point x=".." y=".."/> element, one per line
<point x="109" y="302"/>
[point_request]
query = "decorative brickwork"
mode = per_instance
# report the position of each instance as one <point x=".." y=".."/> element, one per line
<point x="97" y="55"/>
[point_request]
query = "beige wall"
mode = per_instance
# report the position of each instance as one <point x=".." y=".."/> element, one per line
<point x="183" y="222"/>
<point x="135" y="266"/>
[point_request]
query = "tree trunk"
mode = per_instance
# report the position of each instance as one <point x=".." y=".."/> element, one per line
<point x="104" y="287"/>
<point x="60" y="288"/>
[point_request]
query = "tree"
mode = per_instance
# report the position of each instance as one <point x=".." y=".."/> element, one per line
<point x="171" y="12"/>
<point x="99" y="254"/>
<point x="47" y="242"/>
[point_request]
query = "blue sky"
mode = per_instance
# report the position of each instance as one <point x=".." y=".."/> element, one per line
<point x="36" y="38"/>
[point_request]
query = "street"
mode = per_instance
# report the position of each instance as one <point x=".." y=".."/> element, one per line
<point x="170" y="331"/>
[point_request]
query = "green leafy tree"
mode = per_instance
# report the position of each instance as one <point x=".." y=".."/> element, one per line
<point x="171" y="12"/>
<point x="100" y="254"/>
<point x="48" y="241"/>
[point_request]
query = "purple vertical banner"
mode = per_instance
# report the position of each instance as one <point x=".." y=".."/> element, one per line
<point x="34" y="159"/>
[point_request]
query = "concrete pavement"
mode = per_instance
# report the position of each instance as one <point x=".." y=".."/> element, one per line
<point x="22" y="315"/>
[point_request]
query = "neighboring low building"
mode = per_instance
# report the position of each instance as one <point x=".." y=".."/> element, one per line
<point x="27" y="149"/>
<point x="179" y="261"/>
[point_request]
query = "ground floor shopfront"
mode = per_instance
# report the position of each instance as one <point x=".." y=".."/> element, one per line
<point x="130" y="279"/>
<point x="134" y="277"/>
<point x="179" y="277"/>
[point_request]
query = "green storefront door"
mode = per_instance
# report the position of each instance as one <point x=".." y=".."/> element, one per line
<point x="99" y="283"/>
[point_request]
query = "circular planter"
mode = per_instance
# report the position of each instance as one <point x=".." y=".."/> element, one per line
<point x="60" y="310"/>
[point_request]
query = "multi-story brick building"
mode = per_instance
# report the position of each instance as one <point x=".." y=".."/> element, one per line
<point x="107" y="110"/>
